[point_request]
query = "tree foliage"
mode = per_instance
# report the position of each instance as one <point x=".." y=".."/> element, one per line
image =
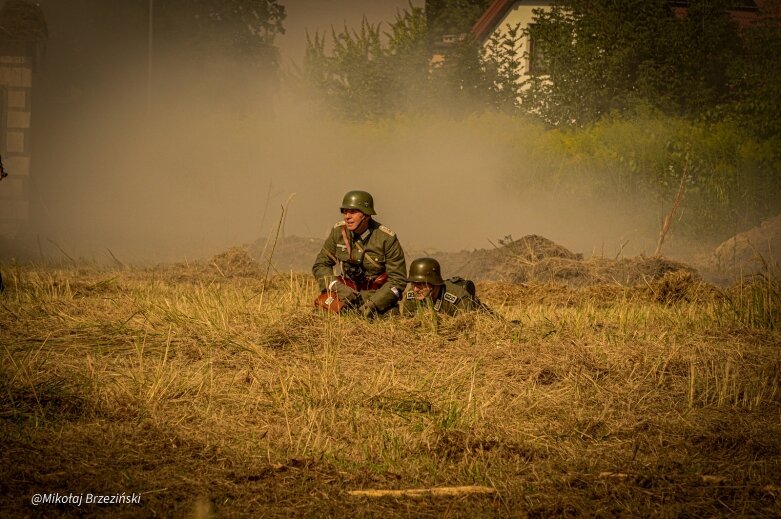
<point x="22" y="22"/>
<point x="452" y="16"/>
<point x="243" y="27"/>
<point x="604" y="56"/>
<point x="500" y="57"/>
<point x="755" y="82"/>
<point x="370" y="73"/>
<point x="218" y="52"/>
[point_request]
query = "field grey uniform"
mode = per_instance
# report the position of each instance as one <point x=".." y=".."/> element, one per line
<point x="377" y="250"/>
<point x="452" y="299"/>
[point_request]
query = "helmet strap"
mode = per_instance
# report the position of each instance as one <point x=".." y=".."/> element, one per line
<point x="363" y="225"/>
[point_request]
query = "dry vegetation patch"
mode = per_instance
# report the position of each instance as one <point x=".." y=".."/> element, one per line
<point x="212" y="389"/>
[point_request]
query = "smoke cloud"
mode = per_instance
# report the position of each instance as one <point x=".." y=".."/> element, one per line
<point x="222" y="151"/>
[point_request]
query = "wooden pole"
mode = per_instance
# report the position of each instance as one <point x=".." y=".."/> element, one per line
<point x="424" y="492"/>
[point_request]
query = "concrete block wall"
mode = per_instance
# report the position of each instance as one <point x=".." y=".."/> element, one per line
<point x="15" y="89"/>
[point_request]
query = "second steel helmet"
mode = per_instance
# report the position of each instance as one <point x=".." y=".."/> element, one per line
<point x="360" y="200"/>
<point x="425" y="270"/>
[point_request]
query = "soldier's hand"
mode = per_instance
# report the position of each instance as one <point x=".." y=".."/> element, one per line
<point x="345" y="293"/>
<point x="368" y="310"/>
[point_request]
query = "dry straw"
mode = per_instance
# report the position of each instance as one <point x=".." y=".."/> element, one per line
<point x="177" y="382"/>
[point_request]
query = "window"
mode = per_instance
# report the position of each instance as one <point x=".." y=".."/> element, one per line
<point x="536" y="57"/>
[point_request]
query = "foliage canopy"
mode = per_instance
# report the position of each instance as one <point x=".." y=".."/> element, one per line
<point x="618" y="56"/>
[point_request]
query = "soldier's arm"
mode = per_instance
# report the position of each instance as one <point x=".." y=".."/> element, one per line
<point x="457" y="300"/>
<point x="323" y="269"/>
<point x="473" y="303"/>
<point x="396" y="267"/>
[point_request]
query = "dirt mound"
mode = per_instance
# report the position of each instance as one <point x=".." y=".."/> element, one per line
<point x="235" y="262"/>
<point x="508" y="262"/>
<point x="537" y="259"/>
<point x="286" y="253"/>
<point x="752" y="251"/>
<point x="535" y="248"/>
<point x="532" y="258"/>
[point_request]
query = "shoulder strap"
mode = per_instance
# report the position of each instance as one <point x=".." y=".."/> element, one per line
<point x="347" y="242"/>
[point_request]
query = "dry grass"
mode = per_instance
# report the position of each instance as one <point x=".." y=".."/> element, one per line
<point x="211" y="394"/>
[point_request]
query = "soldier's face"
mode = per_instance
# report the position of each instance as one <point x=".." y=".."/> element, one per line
<point x="422" y="290"/>
<point x="353" y="218"/>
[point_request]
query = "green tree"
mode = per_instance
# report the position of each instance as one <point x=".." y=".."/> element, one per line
<point x="500" y="58"/>
<point x="353" y="80"/>
<point x="368" y="74"/>
<point x="605" y="56"/>
<point x="453" y="16"/>
<point x="247" y="27"/>
<point x="755" y="82"/>
<point x="205" y="48"/>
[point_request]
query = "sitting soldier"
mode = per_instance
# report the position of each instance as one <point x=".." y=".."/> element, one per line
<point x="445" y="296"/>
<point x="369" y="257"/>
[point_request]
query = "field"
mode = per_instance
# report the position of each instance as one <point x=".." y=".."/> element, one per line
<point x="214" y="392"/>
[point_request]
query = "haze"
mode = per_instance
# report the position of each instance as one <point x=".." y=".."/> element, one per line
<point x="200" y="173"/>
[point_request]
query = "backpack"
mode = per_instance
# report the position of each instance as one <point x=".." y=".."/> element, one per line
<point x="466" y="284"/>
<point x="469" y="286"/>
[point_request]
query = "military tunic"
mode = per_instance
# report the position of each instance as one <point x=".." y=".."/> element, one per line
<point x="452" y="299"/>
<point x="375" y="251"/>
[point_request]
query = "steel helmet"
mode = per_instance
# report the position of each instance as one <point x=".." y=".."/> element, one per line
<point x="425" y="270"/>
<point x="360" y="200"/>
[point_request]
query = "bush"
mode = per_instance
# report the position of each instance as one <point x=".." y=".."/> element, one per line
<point x="731" y="178"/>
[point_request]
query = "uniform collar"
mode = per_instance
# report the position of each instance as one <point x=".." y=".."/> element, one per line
<point x="437" y="302"/>
<point x="365" y="234"/>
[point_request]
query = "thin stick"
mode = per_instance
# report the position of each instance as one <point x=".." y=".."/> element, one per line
<point x="60" y="248"/>
<point x="424" y="492"/>
<point x="274" y="245"/>
<point x="121" y="265"/>
<point x="668" y="220"/>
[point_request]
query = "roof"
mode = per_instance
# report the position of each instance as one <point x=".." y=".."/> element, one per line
<point x="486" y="24"/>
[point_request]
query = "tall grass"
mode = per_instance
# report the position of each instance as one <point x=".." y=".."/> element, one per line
<point x="196" y="388"/>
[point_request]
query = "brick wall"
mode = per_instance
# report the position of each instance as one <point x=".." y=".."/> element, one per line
<point x="15" y="89"/>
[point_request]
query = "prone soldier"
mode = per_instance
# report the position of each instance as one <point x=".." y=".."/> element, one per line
<point x="370" y="258"/>
<point x="427" y="289"/>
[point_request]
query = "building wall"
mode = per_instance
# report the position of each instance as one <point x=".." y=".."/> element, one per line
<point x="522" y="13"/>
<point x="15" y="89"/>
